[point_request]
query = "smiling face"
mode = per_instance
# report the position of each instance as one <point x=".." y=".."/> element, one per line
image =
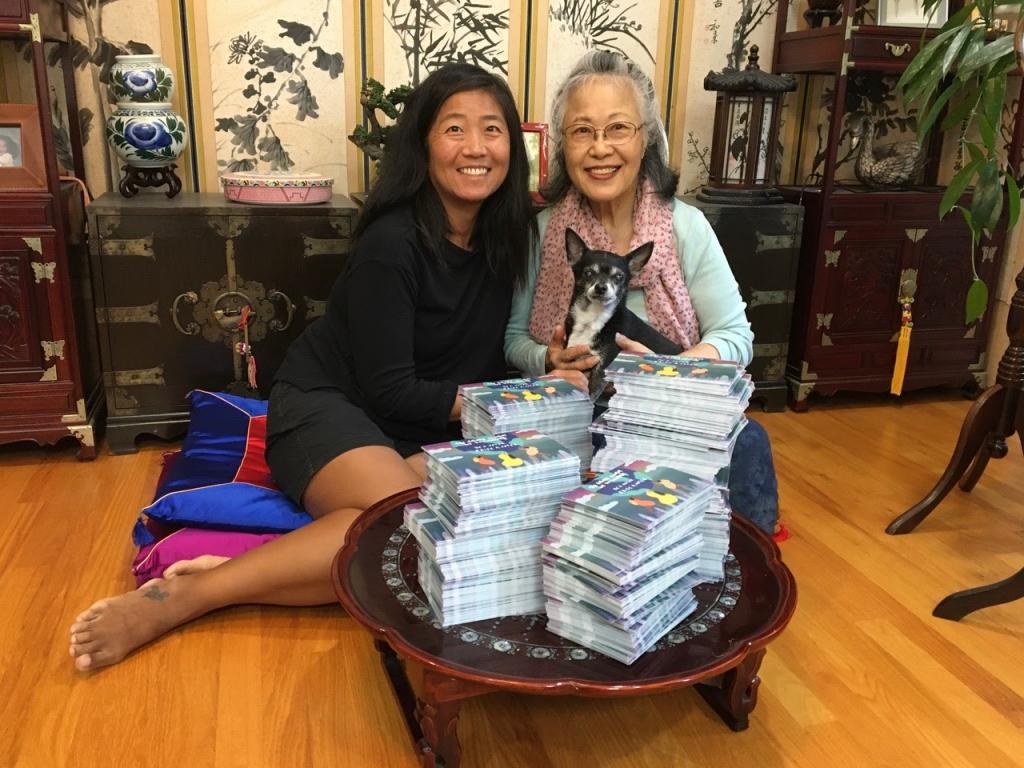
<point x="603" y="172"/>
<point x="469" y="150"/>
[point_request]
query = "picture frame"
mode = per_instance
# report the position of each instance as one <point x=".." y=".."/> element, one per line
<point x="1005" y="17"/>
<point x="535" y="136"/>
<point x="908" y="13"/>
<point x="24" y="163"/>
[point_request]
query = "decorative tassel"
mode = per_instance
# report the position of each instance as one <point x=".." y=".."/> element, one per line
<point x="903" y="346"/>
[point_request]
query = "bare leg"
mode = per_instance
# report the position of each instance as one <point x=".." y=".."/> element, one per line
<point x="418" y="464"/>
<point x="291" y="570"/>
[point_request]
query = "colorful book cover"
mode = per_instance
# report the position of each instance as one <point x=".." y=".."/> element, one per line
<point x="639" y="493"/>
<point x="498" y="453"/>
<point x="500" y="395"/>
<point x="675" y="367"/>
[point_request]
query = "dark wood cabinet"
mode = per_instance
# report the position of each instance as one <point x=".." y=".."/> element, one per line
<point x="172" y="280"/>
<point x="49" y="369"/>
<point x="847" y="310"/>
<point x="25" y="321"/>
<point x="762" y="244"/>
<point x="862" y="247"/>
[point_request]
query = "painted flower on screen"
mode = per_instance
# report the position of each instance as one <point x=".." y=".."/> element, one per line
<point x="144" y="135"/>
<point x="140" y="81"/>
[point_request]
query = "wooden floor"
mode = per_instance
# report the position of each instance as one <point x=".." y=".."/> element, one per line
<point x="863" y="676"/>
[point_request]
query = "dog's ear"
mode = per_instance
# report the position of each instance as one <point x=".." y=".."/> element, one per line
<point x="638" y="258"/>
<point x="574" y="246"/>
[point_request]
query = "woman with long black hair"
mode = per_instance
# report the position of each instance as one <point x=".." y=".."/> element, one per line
<point x="421" y="308"/>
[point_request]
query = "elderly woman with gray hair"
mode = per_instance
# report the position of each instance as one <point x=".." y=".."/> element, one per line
<point x="611" y="183"/>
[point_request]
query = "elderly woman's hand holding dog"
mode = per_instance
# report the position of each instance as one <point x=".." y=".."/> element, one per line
<point x="561" y="358"/>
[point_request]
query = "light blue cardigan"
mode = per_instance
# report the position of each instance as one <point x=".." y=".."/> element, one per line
<point x="713" y="292"/>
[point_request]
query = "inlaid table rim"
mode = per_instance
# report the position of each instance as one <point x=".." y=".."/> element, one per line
<point x="768" y="630"/>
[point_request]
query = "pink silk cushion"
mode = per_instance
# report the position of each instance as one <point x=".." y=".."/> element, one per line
<point x="190" y="543"/>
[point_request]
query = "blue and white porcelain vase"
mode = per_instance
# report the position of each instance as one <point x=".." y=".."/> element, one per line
<point x="142" y="79"/>
<point x="143" y="130"/>
<point x="146" y="135"/>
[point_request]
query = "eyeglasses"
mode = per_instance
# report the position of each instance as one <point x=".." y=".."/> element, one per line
<point x="582" y="134"/>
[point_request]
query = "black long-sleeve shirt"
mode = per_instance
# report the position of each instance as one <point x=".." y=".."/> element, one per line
<point x="403" y="328"/>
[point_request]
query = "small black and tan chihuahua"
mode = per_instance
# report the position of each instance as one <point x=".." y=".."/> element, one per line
<point x="597" y="310"/>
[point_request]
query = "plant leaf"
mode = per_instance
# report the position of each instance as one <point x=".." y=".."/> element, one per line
<point x="242" y="165"/>
<point x="977" y="301"/>
<point x="303" y="98"/>
<point x="331" y="63"/>
<point x="933" y="113"/>
<point x="988" y="54"/>
<point x="246" y="128"/>
<point x="277" y="59"/>
<point x="954" y="49"/>
<point x="924" y="58"/>
<point x="273" y="152"/>
<point x="987" y="200"/>
<point x="958" y="113"/>
<point x="299" y="33"/>
<point x="957" y="186"/>
<point x="85" y="116"/>
<point x="1012" y="201"/>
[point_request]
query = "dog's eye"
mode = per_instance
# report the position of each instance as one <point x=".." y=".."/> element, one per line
<point x="588" y="272"/>
<point x="618" y="277"/>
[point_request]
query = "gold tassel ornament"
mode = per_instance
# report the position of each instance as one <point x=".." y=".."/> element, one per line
<point x="903" y="345"/>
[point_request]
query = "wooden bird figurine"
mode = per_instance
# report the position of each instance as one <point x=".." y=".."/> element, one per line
<point x="885" y="166"/>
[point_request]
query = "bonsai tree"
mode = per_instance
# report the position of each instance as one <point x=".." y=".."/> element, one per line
<point x="961" y="76"/>
<point x="373" y="98"/>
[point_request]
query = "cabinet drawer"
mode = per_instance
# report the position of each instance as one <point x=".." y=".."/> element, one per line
<point x="884" y="49"/>
<point x="14" y="11"/>
<point x="30" y="213"/>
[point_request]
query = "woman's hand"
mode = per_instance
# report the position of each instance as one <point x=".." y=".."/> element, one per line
<point x="628" y="345"/>
<point x="558" y="358"/>
<point x="577" y="378"/>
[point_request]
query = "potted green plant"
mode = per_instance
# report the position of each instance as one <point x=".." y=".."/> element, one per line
<point x="960" y="76"/>
<point x="372" y="97"/>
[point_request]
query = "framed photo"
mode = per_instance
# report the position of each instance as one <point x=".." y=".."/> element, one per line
<point x="909" y="13"/>
<point x="1005" y="17"/>
<point x="22" y="163"/>
<point x="535" y="135"/>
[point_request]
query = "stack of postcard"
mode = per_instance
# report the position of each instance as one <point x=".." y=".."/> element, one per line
<point x="682" y="412"/>
<point x="485" y="506"/>
<point x="685" y="412"/>
<point x="552" y="406"/>
<point x="620" y="561"/>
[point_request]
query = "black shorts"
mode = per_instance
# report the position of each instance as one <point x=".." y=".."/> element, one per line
<point x="306" y="430"/>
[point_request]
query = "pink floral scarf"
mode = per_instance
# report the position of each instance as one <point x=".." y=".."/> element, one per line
<point x="666" y="298"/>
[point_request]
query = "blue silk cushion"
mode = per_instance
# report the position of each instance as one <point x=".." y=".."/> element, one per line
<point x="220" y="479"/>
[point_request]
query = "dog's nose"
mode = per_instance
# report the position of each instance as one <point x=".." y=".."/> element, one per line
<point x="600" y="289"/>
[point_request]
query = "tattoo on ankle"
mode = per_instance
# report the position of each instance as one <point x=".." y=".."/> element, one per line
<point x="155" y="593"/>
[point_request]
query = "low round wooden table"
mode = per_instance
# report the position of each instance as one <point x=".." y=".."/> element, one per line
<point x="718" y="649"/>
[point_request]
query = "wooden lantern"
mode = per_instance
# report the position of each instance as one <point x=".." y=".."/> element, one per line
<point x="744" y="145"/>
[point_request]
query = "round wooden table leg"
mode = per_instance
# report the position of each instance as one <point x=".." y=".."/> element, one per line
<point x="735" y="697"/>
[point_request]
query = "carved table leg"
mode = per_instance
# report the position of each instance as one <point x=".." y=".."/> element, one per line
<point x="439" y="722"/>
<point x="430" y="703"/>
<point x="954" y="607"/>
<point x="982" y="420"/>
<point x="735" y="697"/>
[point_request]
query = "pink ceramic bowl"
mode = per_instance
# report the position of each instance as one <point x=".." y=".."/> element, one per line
<point x="277" y="188"/>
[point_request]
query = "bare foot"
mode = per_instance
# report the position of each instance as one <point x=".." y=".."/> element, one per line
<point x="115" y="626"/>
<point x="201" y="563"/>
